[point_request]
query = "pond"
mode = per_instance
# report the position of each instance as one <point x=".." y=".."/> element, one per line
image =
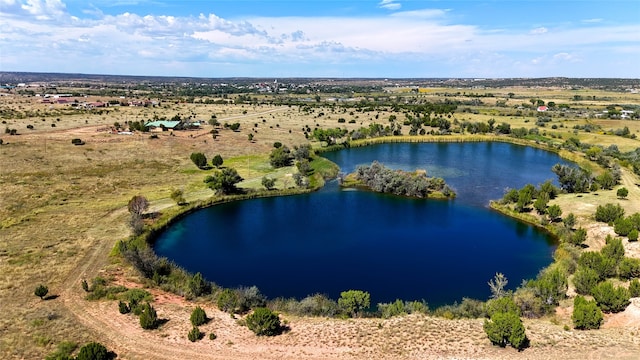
<point x="413" y="249"/>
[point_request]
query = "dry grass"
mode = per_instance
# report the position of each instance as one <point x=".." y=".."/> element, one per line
<point x="62" y="208"/>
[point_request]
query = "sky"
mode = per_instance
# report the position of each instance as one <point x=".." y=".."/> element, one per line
<point x="323" y="38"/>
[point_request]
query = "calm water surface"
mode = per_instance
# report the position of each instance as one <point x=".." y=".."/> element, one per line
<point x="334" y="240"/>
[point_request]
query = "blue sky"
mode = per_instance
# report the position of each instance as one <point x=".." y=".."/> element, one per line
<point x="329" y="38"/>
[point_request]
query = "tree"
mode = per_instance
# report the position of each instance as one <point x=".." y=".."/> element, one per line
<point x="198" y="316"/>
<point x="149" y="317"/>
<point x="268" y="182"/>
<point x="227" y="301"/>
<point x="177" y="195"/>
<point x="613" y="250"/>
<point x="506" y="329"/>
<point x="585" y="279"/>
<point x="608" y="213"/>
<point x="41" y="291"/>
<point x="633" y="235"/>
<point x="123" y="308"/>
<point x="353" y="302"/>
<point x="541" y="204"/>
<point x="569" y="221"/>
<point x="224" y="182"/>
<point x="497" y="285"/>
<point x="622" y="193"/>
<point x="199" y="159"/>
<point x="609" y="298"/>
<point x="304" y="168"/>
<point x="138" y="205"/>
<point x="217" y="161"/>
<point x="93" y="351"/>
<point x="264" y="322"/>
<point x="250" y="137"/>
<point x="634" y="288"/>
<point x="197" y="285"/>
<point x="578" y="237"/>
<point x="629" y="268"/>
<point x="586" y="314"/>
<point x="280" y="157"/>
<point x="554" y="212"/>
<point x="502" y="305"/>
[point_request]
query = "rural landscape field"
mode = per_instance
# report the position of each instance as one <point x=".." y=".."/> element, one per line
<point x="76" y="149"/>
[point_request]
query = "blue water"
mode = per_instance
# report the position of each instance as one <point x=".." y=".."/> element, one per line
<point x="335" y="240"/>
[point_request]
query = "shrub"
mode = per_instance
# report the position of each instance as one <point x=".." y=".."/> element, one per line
<point x="197" y="285"/>
<point x="212" y="336"/>
<point x="194" y="334"/>
<point x="63" y="351"/>
<point x="138" y="205"/>
<point x="629" y="268"/>
<point x="41" y="291"/>
<point x="353" y="302"/>
<point x="611" y="299"/>
<point x="149" y="317"/>
<point x="604" y="267"/>
<point x="633" y="235"/>
<point x="264" y="322"/>
<point x="177" y="195"/>
<point x="280" y="157"/>
<point x="586" y="314"/>
<point x="217" y="161"/>
<point x="502" y="305"/>
<point x="609" y="213"/>
<point x="530" y="305"/>
<point x="585" y="279"/>
<point x="123" y="307"/>
<point x="85" y="285"/>
<point x="198" y="316"/>
<point x="77" y="142"/>
<point x="268" y="182"/>
<point x="622" y="193"/>
<point x="227" y="301"/>
<point x="250" y="298"/>
<point x="506" y="329"/>
<point x="634" y="288"/>
<point x="93" y="351"/>
<point x="578" y="237"/>
<point x="199" y="159"/>
<point x="613" y="250"/>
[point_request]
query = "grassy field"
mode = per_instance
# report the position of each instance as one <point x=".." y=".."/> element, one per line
<point x="63" y="208"/>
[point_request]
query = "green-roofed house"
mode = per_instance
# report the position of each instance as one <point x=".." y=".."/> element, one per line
<point x="162" y="125"/>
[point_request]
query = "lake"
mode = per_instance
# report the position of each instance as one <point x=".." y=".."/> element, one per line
<point x="413" y="249"/>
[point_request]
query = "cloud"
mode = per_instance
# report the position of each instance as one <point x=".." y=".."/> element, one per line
<point x="389" y="5"/>
<point x="539" y="31"/>
<point x="592" y="21"/>
<point x="424" y="13"/>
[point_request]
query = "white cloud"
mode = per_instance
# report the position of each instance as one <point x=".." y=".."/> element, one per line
<point x="538" y="31"/>
<point x="389" y="4"/>
<point x="592" y="21"/>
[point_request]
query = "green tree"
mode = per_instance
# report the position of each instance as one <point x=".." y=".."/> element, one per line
<point x="123" y="308"/>
<point x="541" y="204"/>
<point x="280" y="157"/>
<point x="264" y="322"/>
<point x="268" y="182"/>
<point x="611" y="299"/>
<point x="629" y="268"/>
<point x="569" y="221"/>
<point x="148" y="317"/>
<point x="41" y="291"/>
<point x="622" y="193"/>
<point x="506" y="329"/>
<point x="578" y="237"/>
<point x="93" y="351"/>
<point x="304" y="167"/>
<point x="586" y="314"/>
<point x="198" y="316"/>
<point x="250" y="137"/>
<point x="353" y="302"/>
<point x="613" y="250"/>
<point x="199" y="159"/>
<point x="603" y="266"/>
<point x="198" y="285"/>
<point x="554" y="212"/>
<point x="224" y="181"/>
<point x="606" y="180"/>
<point x="217" y="161"/>
<point x="633" y="235"/>
<point x="608" y="213"/>
<point x="177" y="195"/>
<point x="227" y="300"/>
<point x="503" y="304"/>
<point x="585" y="279"/>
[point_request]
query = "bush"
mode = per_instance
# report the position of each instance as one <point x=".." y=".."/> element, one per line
<point x="578" y="237"/>
<point x="85" y="285"/>
<point x="199" y="159"/>
<point x="149" y="317"/>
<point x="634" y="288"/>
<point x="194" y="334"/>
<point x="622" y="193"/>
<point x="609" y="213"/>
<point x="506" y="329"/>
<point x="123" y="307"/>
<point x="610" y="299"/>
<point x="264" y="322"/>
<point x="212" y="336"/>
<point x="502" y="305"/>
<point x="227" y="301"/>
<point x="77" y="142"/>
<point x="198" y="316"/>
<point x="604" y="267"/>
<point x="63" y="351"/>
<point x="93" y="351"/>
<point x="586" y="314"/>
<point x="629" y="268"/>
<point x="585" y="279"/>
<point x="633" y="235"/>
<point x="280" y="157"/>
<point x="353" y="302"/>
<point x="268" y="182"/>
<point x="41" y="291"/>
<point x="217" y="161"/>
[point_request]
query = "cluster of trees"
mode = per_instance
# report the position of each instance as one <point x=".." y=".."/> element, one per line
<point x="224" y="181"/>
<point x="382" y="179"/>
<point x="200" y="160"/>
<point x="524" y="197"/>
<point x="330" y="136"/>
<point x="282" y="156"/>
<point x="503" y="325"/>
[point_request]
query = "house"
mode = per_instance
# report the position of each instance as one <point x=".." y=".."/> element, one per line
<point x="162" y="125"/>
<point x="542" y="108"/>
